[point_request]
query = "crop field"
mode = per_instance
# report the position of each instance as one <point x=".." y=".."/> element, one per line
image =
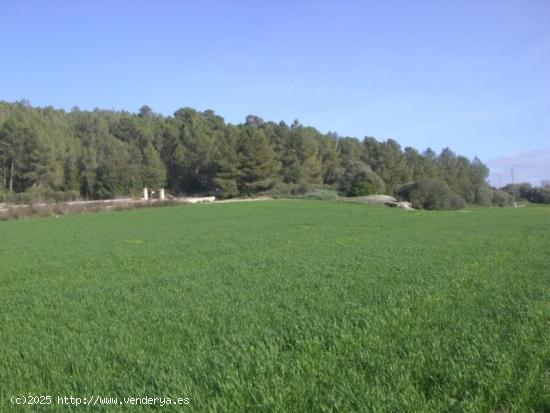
<point x="287" y="306"/>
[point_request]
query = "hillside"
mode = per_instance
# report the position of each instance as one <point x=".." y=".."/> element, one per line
<point x="53" y="154"/>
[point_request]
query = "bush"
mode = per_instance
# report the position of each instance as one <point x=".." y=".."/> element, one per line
<point x="322" y="195"/>
<point x="536" y="194"/>
<point x="483" y="195"/>
<point x="455" y="202"/>
<point x="540" y="195"/>
<point x="45" y="210"/>
<point x="226" y="188"/>
<point x="301" y="190"/>
<point x="38" y="196"/>
<point x="501" y="198"/>
<point x="430" y="194"/>
<point x="371" y="184"/>
<point x="361" y="180"/>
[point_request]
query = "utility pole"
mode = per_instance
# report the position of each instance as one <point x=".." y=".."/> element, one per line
<point x="515" y="189"/>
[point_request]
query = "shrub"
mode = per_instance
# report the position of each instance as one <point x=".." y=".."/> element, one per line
<point x="226" y="188"/>
<point x="430" y="194"/>
<point x="501" y="198"/>
<point x="302" y="190"/>
<point x="540" y="195"/>
<point x="38" y="196"/>
<point x="23" y="211"/>
<point x="455" y="202"/>
<point x="483" y="195"/>
<point x="322" y="195"/>
<point x="361" y="180"/>
<point x="536" y="194"/>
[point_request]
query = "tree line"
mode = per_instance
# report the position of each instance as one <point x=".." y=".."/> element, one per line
<point x="527" y="192"/>
<point x="106" y="153"/>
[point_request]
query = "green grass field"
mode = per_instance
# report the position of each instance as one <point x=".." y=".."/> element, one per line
<point x="288" y="306"/>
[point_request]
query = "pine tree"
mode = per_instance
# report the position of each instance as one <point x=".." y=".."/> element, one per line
<point x="199" y="140"/>
<point x="257" y="164"/>
<point x="227" y="162"/>
<point x="153" y="171"/>
<point x="301" y="159"/>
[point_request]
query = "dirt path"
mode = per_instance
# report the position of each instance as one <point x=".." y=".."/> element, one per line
<point x="260" y="198"/>
<point x="120" y="202"/>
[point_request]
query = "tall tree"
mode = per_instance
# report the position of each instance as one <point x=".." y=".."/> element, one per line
<point x="153" y="170"/>
<point x="388" y="161"/>
<point x="227" y="162"/>
<point x="301" y="159"/>
<point x="257" y="164"/>
<point x="199" y="140"/>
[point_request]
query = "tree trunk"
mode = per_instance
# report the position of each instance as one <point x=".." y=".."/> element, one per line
<point x="11" y="173"/>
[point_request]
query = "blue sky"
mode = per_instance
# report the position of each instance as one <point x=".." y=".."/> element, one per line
<point x="471" y="75"/>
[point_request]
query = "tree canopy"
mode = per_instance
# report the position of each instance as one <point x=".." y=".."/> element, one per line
<point x="105" y="153"/>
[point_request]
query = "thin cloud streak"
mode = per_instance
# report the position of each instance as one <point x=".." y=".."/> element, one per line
<point x="362" y="3"/>
<point x="532" y="166"/>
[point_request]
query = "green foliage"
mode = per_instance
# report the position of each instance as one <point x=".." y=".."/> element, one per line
<point x="302" y="190"/>
<point x="38" y="195"/>
<point x="330" y="160"/>
<point x="291" y="306"/>
<point x="501" y="198"/>
<point x="357" y="177"/>
<point x="322" y="195"/>
<point x="227" y="161"/>
<point x="300" y="155"/>
<point x="483" y="195"/>
<point x="387" y="161"/>
<point x="153" y="172"/>
<point x="525" y="191"/>
<point x="359" y="180"/>
<point x="539" y="195"/>
<point x="430" y="194"/>
<point x="104" y="154"/>
<point x="198" y="136"/>
<point x="257" y="164"/>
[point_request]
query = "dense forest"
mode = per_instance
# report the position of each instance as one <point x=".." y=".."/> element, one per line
<point x="53" y="154"/>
